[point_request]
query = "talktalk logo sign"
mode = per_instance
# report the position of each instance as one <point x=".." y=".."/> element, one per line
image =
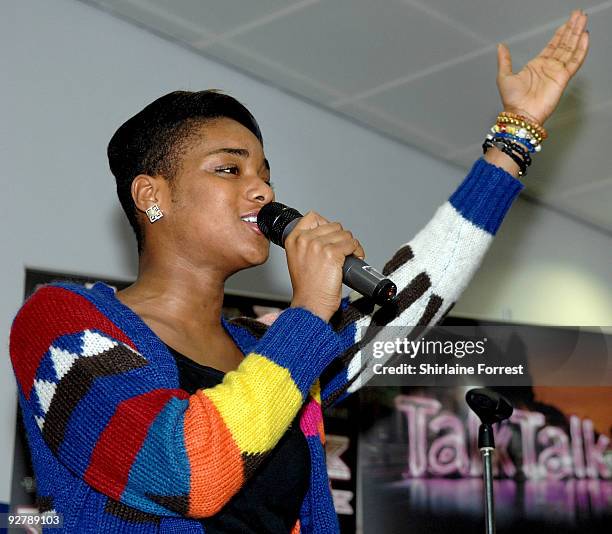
<point x="522" y="443"/>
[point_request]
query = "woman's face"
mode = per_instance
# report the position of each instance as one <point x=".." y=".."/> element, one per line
<point x="224" y="177"/>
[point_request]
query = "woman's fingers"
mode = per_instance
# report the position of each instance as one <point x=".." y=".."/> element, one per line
<point x="311" y="220"/>
<point x="569" y="40"/>
<point x="566" y="37"/>
<point x="333" y="234"/>
<point x="571" y="36"/>
<point x="359" y="252"/>
<point x="561" y="48"/>
<point x="552" y="45"/>
<point x="315" y="226"/>
<point x="579" y="54"/>
<point x="317" y="219"/>
<point x="344" y="241"/>
<point x="504" y="61"/>
<point x="326" y="228"/>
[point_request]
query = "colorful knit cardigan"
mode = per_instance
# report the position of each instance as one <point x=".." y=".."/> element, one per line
<point x="117" y="446"/>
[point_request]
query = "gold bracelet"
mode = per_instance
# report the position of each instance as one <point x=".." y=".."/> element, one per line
<point x="522" y="134"/>
<point x="521" y="126"/>
<point x="537" y="127"/>
<point x="518" y="122"/>
<point x="508" y="116"/>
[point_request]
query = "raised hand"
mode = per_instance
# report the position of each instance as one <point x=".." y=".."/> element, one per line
<point x="535" y="91"/>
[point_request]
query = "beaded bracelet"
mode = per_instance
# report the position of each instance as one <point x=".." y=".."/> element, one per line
<point x="539" y="129"/>
<point x="514" y="118"/>
<point x="520" y="134"/>
<point x="514" y="147"/>
<point x="506" y="150"/>
<point x="502" y="124"/>
<point x="521" y="125"/>
<point x="517" y="136"/>
<point x="517" y="147"/>
<point x="518" y="128"/>
<point x="508" y="147"/>
<point x="521" y="140"/>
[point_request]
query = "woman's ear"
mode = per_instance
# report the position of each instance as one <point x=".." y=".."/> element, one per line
<point x="148" y="190"/>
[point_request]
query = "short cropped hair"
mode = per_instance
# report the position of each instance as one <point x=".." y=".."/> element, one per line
<point x="153" y="141"/>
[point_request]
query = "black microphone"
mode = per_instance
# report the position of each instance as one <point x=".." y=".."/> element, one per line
<point x="276" y="221"/>
<point x="490" y="407"/>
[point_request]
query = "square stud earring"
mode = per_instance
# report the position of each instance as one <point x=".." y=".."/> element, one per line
<point x="154" y="213"/>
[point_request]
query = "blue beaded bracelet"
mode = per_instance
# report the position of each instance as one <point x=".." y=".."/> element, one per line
<point x="524" y="142"/>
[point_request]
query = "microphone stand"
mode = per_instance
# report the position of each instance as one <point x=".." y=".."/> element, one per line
<point x="490" y="408"/>
<point x="486" y="445"/>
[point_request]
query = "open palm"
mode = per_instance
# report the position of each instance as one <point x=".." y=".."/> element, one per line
<point x="535" y="91"/>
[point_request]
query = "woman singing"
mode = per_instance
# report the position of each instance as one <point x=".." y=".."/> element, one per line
<point x="147" y="411"/>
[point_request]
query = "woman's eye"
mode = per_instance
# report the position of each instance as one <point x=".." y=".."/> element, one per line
<point x="231" y="169"/>
<point x="271" y="184"/>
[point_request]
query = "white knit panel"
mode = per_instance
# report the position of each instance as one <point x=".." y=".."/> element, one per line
<point x="449" y="249"/>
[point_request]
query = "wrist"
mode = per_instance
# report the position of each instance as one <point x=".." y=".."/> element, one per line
<point x="514" y="136"/>
<point x="314" y="309"/>
<point x="535" y="117"/>
<point x="496" y="157"/>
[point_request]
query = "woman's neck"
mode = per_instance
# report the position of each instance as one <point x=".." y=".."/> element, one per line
<point x="178" y="296"/>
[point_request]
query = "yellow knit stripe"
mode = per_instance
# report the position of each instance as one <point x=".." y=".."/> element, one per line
<point x="257" y="402"/>
<point x="315" y="390"/>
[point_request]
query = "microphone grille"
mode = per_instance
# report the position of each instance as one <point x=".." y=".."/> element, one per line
<point x="273" y="218"/>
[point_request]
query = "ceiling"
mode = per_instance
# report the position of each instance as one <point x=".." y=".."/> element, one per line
<point x="415" y="70"/>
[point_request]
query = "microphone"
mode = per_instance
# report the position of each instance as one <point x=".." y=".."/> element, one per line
<point x="489" y="406"/>
<point x="276" y="221"/>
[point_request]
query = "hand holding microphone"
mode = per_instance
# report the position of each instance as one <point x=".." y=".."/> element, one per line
<point x="316" y="250"/>
<point x="320" y="256"/>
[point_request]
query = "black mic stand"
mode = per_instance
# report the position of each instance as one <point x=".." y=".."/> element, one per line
<point x="490" y="407"/>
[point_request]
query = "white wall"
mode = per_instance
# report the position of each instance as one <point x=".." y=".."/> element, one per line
<point x="543" y="268"/>
<point x="72" y="75"/>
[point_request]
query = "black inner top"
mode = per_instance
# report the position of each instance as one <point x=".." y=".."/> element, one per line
<point x="270" y="500"/>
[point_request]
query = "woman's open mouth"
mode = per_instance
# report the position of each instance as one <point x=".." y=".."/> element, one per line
<point x="251" y="221"/>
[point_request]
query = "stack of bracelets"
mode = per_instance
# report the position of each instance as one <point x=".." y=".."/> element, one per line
<point x="516" y="136"/>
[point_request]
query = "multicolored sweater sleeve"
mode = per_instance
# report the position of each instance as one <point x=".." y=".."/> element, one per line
<point x="430" y="271"/>
<point x="108" y="411"/>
